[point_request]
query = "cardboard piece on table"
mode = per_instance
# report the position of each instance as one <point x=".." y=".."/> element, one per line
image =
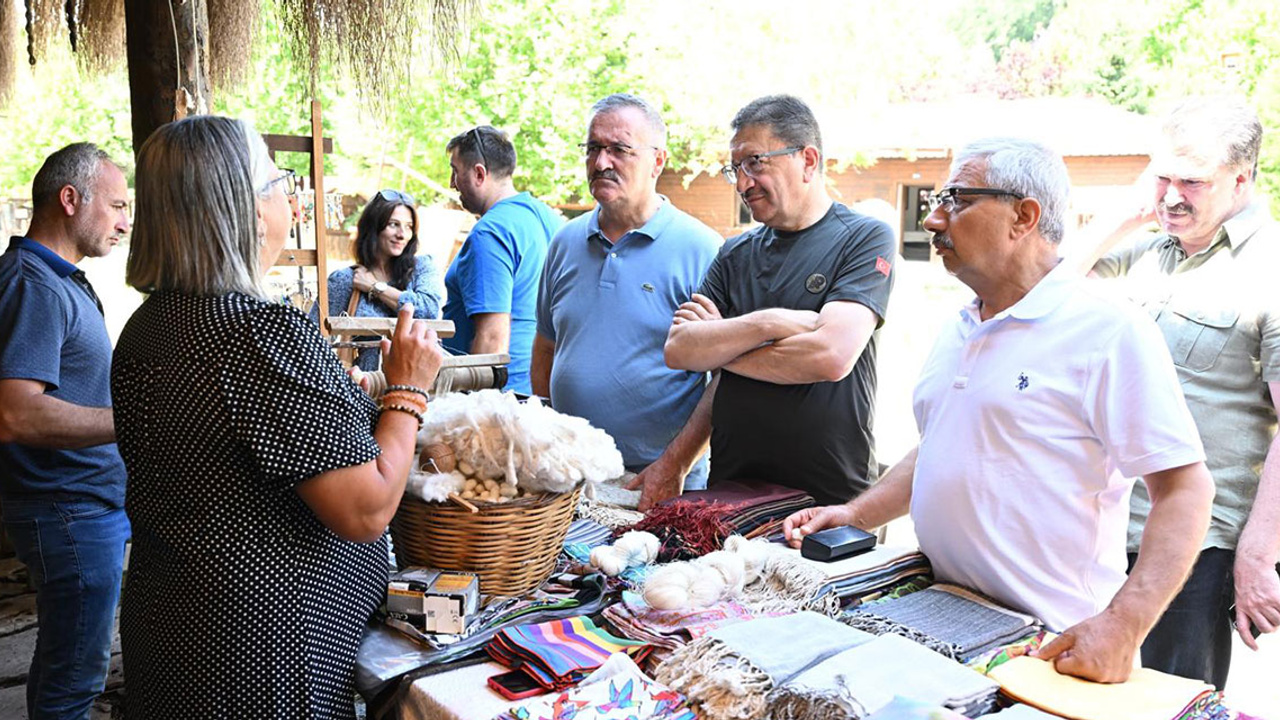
<point x="1147" y="695"/>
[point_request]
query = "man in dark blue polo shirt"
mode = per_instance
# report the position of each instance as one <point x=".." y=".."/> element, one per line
<point x="61" y="477"/>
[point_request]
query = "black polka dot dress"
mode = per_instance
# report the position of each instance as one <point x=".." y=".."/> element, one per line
<point x="238" y="602"/>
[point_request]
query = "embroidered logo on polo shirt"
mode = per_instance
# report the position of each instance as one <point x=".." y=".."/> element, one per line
<point x="647" y="287"/>
<point x="816" y="283"/>
<point x="883" y="266"/>
<point x="1023" y="382"/>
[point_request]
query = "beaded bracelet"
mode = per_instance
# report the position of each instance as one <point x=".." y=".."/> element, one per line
<point x="407" y="398"/>
<point x="409" y="388"/>
<point x="404" y="409"/>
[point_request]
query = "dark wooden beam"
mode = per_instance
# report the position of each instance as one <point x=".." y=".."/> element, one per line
<point x="168" y="48"/>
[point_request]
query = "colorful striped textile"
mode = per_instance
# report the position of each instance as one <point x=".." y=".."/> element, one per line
<point x="559" y="653"/>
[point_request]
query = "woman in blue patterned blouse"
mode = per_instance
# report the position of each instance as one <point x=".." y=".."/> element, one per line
<point x="389" y="272"/>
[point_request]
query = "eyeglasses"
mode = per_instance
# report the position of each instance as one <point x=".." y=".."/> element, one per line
<point x="946" y="198"/>
<point x="480" y="146"/>
<point x="395" y="196"/>
<point x="617" y="150"/>
<point x="290" y="180"/>
<point x="753" y="165"/>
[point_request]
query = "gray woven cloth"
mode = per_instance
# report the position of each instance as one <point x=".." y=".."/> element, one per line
<point x="729" y="672"/>
<point x="958" y="623"/>
<point x="862" y="680"/>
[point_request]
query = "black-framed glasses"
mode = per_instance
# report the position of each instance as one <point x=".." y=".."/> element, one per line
<point x="290" y="180"/>
<point x="395" y="196"/>
<point x="617" y="150"/>
<point x="946" y="198"/>
<point x="753" y="165"/>
<point x="480" y="146"/>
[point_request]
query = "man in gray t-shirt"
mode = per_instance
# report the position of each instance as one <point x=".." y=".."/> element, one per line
<point x="1208" y="280"/>
<point x="788" y="313"/>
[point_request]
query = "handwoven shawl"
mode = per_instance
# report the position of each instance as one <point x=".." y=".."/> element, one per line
<point x="729" y="672"/>
<point x="559" y="653"/>
<point x="1146" y="695"/>
<point x="947" y="618"/>
<point x="863" y="679"/>
<point x="670" y="630"/>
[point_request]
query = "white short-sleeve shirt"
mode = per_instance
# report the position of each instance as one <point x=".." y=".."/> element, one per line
<point x="1034" y="425"/>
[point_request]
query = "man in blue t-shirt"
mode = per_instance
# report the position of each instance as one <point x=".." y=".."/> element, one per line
<point x="613" y="279"/>
<point x="492" y="285"/>
<point x="61" y="477"/>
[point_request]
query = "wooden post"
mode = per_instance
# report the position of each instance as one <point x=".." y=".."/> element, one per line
<point x="321" y="214"/>
<point x="168" y="50"/>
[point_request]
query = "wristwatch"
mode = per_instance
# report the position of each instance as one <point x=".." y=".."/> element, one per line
<point x="378" y="288"/>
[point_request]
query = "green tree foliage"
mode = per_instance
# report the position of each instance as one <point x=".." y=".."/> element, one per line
<point x="55" y="105"/>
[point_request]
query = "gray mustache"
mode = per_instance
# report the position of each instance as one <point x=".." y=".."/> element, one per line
<point x="604" y="175"/>
<point x="943" y="242"/>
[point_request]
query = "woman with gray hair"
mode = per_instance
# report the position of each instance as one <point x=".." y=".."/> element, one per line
<point x="261" y="478"/>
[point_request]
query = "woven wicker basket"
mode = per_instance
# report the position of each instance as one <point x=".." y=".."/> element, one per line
<point x="512" y="546"/>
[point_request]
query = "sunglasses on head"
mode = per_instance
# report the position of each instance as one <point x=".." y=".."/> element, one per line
<point x="395" y="196"/>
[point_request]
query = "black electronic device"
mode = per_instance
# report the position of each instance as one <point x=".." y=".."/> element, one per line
<point x="836" y="543"/>
<point x="516" y="685"/>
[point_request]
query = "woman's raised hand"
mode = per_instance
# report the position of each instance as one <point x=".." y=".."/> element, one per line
<point x="413" y="355"/>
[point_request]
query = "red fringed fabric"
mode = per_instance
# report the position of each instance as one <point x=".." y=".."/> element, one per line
<point x="687" y="530"/>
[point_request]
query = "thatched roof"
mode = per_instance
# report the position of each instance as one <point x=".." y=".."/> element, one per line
<point x="368" y="38"/>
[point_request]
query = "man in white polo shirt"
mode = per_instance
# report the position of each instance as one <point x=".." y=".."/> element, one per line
<point x="1036" y="411"/>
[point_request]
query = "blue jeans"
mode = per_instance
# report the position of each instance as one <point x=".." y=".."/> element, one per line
<point x="1193" y="637"/>
<point x="74" y="550"/>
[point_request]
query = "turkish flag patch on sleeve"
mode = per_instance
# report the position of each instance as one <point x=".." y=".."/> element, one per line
<point x="883" y="266"/>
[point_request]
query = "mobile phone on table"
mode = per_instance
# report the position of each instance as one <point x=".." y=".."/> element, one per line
<point x="515" y="685"/>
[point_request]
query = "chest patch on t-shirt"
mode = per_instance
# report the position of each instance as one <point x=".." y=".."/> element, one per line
<point x="816" y="283"/>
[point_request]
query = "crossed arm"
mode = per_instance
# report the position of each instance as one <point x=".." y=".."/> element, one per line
<point x="777" y="345"/>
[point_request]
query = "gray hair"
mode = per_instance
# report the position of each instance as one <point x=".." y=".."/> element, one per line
<point x="78" y="165"/>
<point x="1225" y="125"/>
<point x="621" y="101"/>
<point x="196" y="226"/>
<point x="786" y="116"/>
<point x="1028" y="168"/>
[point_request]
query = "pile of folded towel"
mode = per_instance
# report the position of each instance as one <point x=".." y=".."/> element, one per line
<point x="559" y="653"/>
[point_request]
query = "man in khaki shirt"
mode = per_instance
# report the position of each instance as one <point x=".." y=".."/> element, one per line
<point x="1208" y="280"/>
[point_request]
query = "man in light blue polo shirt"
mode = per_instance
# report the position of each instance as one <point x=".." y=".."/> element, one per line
<point x="492" y="285"/>
<point x="611" y="283"/>
<point x="61" y="477"/>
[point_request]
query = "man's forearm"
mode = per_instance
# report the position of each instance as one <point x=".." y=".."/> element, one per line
<point x="710" y="345"/>
<point x="1260" y="540"/>
<point x="888" y="499"/>
<point x="691" y="442"/>
<point x="544" y="351"/>
<point x="797" y="360"/>
<point x="45" y="421"/>
<point x="1180" y="502"/>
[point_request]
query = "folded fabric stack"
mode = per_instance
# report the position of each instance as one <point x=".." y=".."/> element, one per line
<point x="616" y="691"/>
<point x="1146" y="695"/>
<point x="866" y="678"/>
<point x="753" y="504"/>
<point x="585" y="531"/>
<point x="669" y="630"/>
<point x="871" y="572"/>
<point x="730" y="671"/>
<point x="559" y="653"/>
<point x="949" y="619"/>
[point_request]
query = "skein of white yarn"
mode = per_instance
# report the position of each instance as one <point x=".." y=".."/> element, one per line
<point x="754" y="554"/>
<point x="608" y="560"/>
<point x="667" y="587"/>
<point x="638" y="547"/>
<point x="729" y="566"/>
<point x="632" y="549"/>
